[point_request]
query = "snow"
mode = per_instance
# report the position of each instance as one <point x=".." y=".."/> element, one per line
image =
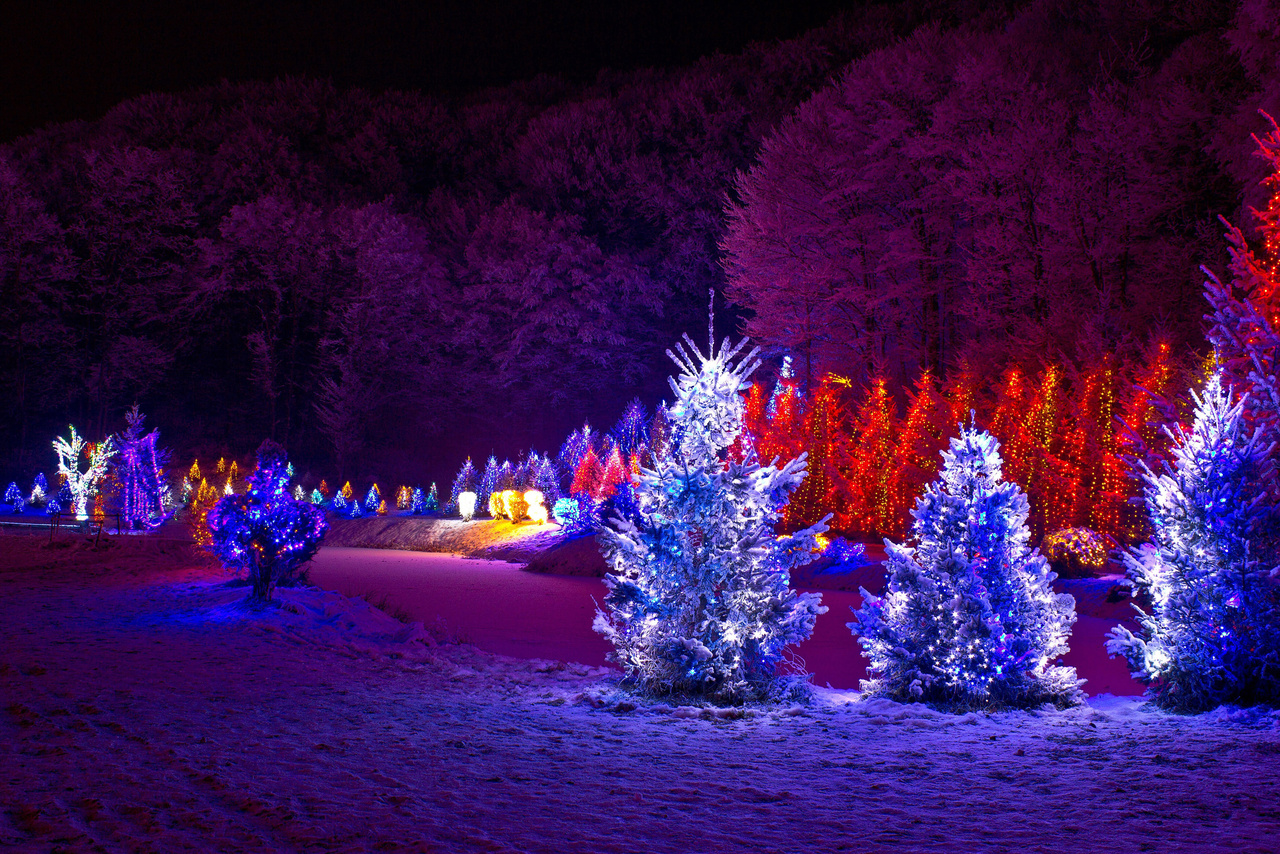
<point x="146" y="708"/>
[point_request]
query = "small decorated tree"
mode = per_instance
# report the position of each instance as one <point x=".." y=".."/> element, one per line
<point x="83" y="484"/>
<point x="615" y="474"/>
<point x="631" y="433"/>
<point x="464" y="481"/>
<point x="373" y="499"/>
<point x="432" y="504"/>
<point x="266" y="531"/>
<point x="417" y="501"/>
<point x="699" y="598"/>
<point x="969" y="618"/>
<point x="1213" y="633"/>
<point x="488" y="482"/>
<point x="574" y="449"/>
<point x="547" y="481"/>
<point x="589" y="477"/>
<point x="39" y="490"/>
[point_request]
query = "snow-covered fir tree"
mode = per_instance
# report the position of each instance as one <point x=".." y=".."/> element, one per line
<point x="140" y="473"/>
<point x="1213" y="633"/>
<point x="969" y="618"/>
<point x="700" y="601"/>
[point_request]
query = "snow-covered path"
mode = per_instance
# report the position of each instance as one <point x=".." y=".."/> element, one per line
<point x="145" y="709"/>
<point x="502" y="609"/>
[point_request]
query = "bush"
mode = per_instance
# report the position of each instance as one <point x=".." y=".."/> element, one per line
<point x="266" y="531"/>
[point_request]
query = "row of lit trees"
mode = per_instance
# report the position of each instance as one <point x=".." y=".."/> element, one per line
<point x="1070" y="435"/>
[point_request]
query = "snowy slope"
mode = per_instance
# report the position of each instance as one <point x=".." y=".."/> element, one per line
<point x="145" y="708"/>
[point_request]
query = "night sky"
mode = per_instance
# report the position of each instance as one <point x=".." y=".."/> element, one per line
<point x="62" y="61"/>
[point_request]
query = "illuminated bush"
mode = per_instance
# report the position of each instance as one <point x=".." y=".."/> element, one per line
<point x="266" y="531"/>
<point x="1075" y="552"/>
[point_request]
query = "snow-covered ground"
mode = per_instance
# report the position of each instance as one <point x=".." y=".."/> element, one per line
<point x="500" y="608"/>
<point x="145" y="708"/>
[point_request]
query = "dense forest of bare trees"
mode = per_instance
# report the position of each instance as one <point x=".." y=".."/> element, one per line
<point x="387" y="282"/>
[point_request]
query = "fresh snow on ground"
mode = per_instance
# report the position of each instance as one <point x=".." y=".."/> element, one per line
<point x="145" y="707"/>
<point x="500" y="608"/>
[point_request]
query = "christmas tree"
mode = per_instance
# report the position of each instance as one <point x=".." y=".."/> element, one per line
<point x="39" y="489"/>
<point x="417" y="502"/>
<point x="488" y="482"/>
<point x="432" y="504"/>
<point x="143" y="487"/>
<point x="588" y="479"/>
<point x="266" y="531"/>
<point x="372" y="499"/>
<point x="574" y="449"/>
<point x="969" y="618"/>
<point x="1213" y="633"/>
<point x="616" y="473"/>
<point x="630" y="434"/>
<point x="13" y="495"/>
<point x="1245" y="322"/>
<point x="464" y="481"/>
<point x="547" y="481"/>
<point x="61" y="500"/>
<point x="83" y="485"/>
<point x="699" y="598"/>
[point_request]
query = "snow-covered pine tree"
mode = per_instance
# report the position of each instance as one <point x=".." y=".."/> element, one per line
<point x="969" y="619"/>
<point x="1213" y="633"/>
<point x="699" y="598"/>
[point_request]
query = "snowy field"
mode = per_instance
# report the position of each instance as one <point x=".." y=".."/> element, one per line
<point x="145" y="708"/>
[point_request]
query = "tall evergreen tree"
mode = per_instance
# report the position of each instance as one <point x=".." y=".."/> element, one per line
<point x="140" y="473"/>
<point x="1213" y="633"/>
<point x="699" y="599"/>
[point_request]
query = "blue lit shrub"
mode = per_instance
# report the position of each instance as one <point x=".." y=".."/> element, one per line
<point x="266" y="531"/>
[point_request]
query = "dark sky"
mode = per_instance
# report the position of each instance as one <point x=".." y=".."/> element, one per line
<point x="68" y="60"/>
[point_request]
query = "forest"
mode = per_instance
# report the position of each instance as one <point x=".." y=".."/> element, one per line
<point x="389" y="282"/>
